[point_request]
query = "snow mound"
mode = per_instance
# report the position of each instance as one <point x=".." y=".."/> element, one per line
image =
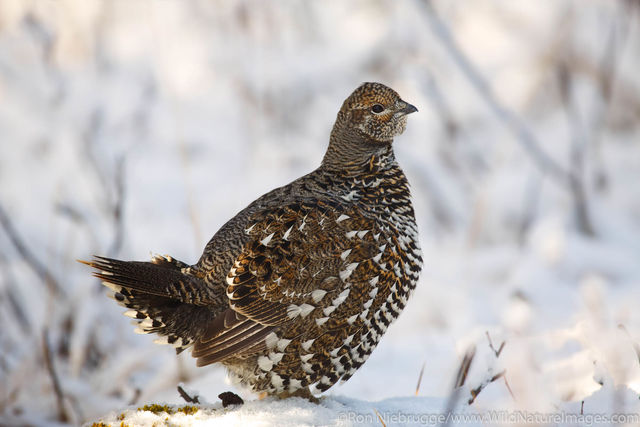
<point x="331" y="411"/>
<point x="608" y="406"/>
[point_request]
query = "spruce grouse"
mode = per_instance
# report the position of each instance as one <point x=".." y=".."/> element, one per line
<point x="295" y="292"/>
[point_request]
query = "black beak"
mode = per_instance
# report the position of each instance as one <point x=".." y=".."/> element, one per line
<point x="408" y="109"/>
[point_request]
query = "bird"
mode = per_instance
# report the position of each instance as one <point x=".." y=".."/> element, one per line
<point x="293" y="293"/>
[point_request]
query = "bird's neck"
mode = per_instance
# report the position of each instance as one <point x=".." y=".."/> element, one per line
<point x="351" y="154"/>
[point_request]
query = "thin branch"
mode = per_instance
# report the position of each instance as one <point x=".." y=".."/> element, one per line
<point x="118" y="207"/>
<point x="90" y="135"/>
<point x="607" y="76"/>
<point x="453" y="131"/>
<point x="523" y="135"/>
<point x="438" y="203"/>
<point x="77" y="406"/>
<point x="379" y="417"/>
<point x="188" y="398"/>
<point x="461" y="377"/>
<point x="499" y="350"/>
<point x="634" y="343"/>
<point x="463" y="369"/>
<point x="571" y="178"/>
<point x="78" y="217"/>
<point x="578" y="148"/>
<point x="113" y="186"/>
<point x="530" y="203"/>
<point x="63" y="416"/>
<point x="506" y="383"/>
<point x="191" y="207"/>
<point x="136" y="395"/>
<point x="12" y="299"/>
<point x="609" y="62"/>
<point x="38" y="268"/>
<point x="420" y="379"/>
<point x="476" y="391"/>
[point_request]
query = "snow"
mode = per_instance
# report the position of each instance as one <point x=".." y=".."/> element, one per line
<point x="132" y="128"/>
<point x="339" y="411"/>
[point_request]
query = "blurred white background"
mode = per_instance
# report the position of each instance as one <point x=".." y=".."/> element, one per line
<point x="132" y="127"/>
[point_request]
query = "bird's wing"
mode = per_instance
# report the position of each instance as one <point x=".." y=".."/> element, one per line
<point x="297" y="254"/>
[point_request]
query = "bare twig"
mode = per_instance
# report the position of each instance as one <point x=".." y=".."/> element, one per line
<point x="379" y="418"/>
<point x="570" y="179"/>
<point x="531" y="200"/>
<point x="12" y="299"/>
<point x="476" y="391"/>
<point x="42" y="35"/>
<point x="118" y="207"/>
<point x="506" y="383"/>
<point x="452" y="130"/>
<point x="438" y="203"/>
<point x="463" y="370"/>
<point x="63" y="416"/>
<point x="499" y="350"/>
<point x="113" y="187"/>
<point x="461" y="377"/>
<point x="77" y="406"/>
<point x="578" y="147"/>
<point x="46" y="38"/>
<point x="634" y="343"/>
<point x="188" y="398"/>
<point x="136" y="396"/>
<point x="617" y="38"/>
<point x="4" y="366"/>
<point x="523" y="135"/>
<point x="90" y="135"/>
<point x="193" y="215"/>
<point x="420" y="379"/>
<point x="441" y="107"/>
<point x="38" y="268"/>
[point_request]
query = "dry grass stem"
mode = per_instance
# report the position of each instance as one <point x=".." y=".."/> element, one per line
<point x="499" y="350"/>
<point x="188" y="398"/>
<point x="32" y="261"/>
<point x="63" y="416"/>
<point x="420" y="378"/>
<point x="379" y="418"/>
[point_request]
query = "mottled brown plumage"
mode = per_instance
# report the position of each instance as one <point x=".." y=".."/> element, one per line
<point x="294" y="292"/>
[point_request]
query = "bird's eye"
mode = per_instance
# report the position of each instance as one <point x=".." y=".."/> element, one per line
<point x="377" y="109"/>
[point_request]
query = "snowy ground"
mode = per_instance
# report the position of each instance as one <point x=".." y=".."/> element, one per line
<point x="135" y="127"/>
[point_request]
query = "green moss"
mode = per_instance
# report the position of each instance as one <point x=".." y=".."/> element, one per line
<point x="188" y="409"/>
<point x="156" y="409"/>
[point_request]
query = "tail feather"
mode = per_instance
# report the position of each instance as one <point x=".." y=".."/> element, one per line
<point x="162" y="297"/>
<point x="164" y="278"/>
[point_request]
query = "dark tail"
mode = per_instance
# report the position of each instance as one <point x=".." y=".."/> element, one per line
<point x="163" y="297"/>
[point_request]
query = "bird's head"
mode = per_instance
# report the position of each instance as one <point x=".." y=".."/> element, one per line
<point x="366" y="124"/>
<point x="376" y="112"/>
